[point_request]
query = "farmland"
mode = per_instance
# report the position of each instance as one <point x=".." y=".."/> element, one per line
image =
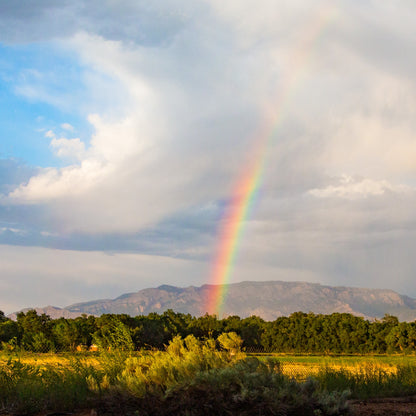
<point x="177" y="364"/>
<point x="303" y="366"/>
<point x="39" y="382"/>
<point x="297" y="366"/>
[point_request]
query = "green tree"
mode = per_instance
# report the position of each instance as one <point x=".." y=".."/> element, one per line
<point x="66" y="334"/>
<point x="252" y="329"/>
<point x="86" y="326"/>
<point x="3" y="317"/>
<point x="9" y="333"/>
<point x="113" y="334"/>
<point x="36" y="331"/>
<point x="207" y="326"/>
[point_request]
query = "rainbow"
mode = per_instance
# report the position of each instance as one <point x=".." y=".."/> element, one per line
<point x="240" y="204"/>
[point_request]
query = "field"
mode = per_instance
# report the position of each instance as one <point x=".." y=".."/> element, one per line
<point x="302" y="366"/>
<point x="191" y="373"/>
<point x="299" y="367"/>
<point x="50" y="359"/>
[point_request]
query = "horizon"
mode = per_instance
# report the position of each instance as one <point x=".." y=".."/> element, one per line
<point x="189" y="143"/>
<point x="7" y="313"/>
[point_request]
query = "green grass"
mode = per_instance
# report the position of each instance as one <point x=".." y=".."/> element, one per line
<point x="303" y="366"/>
<point x="28" y="389"/>
<point x="395" y="359"/>
<point x="365" y="376"/>
<point x="370" y="381"/>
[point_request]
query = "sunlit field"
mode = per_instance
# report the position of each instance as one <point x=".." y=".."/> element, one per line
<point x="49" y="358"/>
<point x="302" y="366"/>
<point x="297" y="366"/>
<point x="191" y="371"/>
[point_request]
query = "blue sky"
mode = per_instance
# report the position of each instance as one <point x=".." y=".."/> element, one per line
<point x="125" y="126"/>
<point x="40" y="88"/>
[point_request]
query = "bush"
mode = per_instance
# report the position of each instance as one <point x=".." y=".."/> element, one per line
<point x="157" y="372"/>
<point x="251" y="387"/>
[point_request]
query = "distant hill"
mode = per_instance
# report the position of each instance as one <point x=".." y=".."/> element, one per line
<point x="268" y="300"/>
<point x="53" y="311"/>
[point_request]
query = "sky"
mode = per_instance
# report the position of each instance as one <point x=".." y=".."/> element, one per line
<point x="126" y="126"/>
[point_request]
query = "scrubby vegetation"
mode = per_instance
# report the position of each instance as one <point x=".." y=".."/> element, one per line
<point x="369" y="381"/>
<point x="28" y="389"/>
<point x="191" y="377"/>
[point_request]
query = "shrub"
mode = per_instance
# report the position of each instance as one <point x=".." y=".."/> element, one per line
<point x="157" y="372"/>
<point x="252" y="387"/>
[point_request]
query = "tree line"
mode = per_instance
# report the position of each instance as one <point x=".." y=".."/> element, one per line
<point x="337" y="333"/>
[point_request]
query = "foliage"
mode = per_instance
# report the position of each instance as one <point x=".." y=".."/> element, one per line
<point x="3" y="318"/>
<point x="250" y="387"/>
<point x="191" y="377"/>
<point x="337" y="333"/>
<point x="9" y="330"/>
<point x="113" y="336"/>
<point x="196" y="366"/>
<point x="157" y="372"/>
<point x="231" y="342"/>
<point x="370" y="381"/>
<point x="30" y="389"/>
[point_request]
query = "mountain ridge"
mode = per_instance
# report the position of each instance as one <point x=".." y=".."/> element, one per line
<point x="267" y="299"/>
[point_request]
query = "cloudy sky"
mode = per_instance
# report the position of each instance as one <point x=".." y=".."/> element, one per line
<point x="125" y="127"/>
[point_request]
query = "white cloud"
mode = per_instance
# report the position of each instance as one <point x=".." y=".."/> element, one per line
<point x="169" y="147"/>
<point x="54" y="184"/>
<point x="12" y="230"/>
<point x="150" y="162"/>
<point x="72" y="149"/>
<point x="50" y="134"/>
<point x="67" y="126"/>
<point x="353" y="188"/>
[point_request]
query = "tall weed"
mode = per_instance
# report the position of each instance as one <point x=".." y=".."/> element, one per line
<point x="27" y="389"/>
<point x="370" y="381"/>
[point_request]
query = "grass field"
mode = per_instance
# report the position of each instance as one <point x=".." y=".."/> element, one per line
<point x="49" y="358"/>
<point x="31" y="382"/>
<point x="302" y="366"/>
<point x="298" y="366"/>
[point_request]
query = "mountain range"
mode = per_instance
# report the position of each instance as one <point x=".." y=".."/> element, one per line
<point x="268" y="300"/>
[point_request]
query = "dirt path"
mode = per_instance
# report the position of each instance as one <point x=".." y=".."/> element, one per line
<point x="385" y="407"/>
<point x="395" y="406"/>
<point x="403" y="406"/>
<point x="400" y="406"/>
